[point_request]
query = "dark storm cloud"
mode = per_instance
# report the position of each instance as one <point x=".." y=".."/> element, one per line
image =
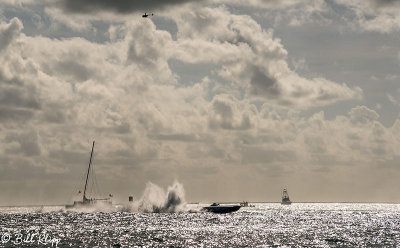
<point x="263" y="84"/>
<point x="120" y="6"/>
<point x="18" y="98"/>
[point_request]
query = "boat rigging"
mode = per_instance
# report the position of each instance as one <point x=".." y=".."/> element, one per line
<point x="89" y="201"/>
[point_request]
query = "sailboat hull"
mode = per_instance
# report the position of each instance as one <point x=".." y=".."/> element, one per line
<point x="89" y="203"/>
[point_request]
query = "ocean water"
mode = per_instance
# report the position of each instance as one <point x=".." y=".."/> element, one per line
<point x="265" y="225"/>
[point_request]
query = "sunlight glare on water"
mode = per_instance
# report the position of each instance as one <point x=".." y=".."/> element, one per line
<point x="265" y="225"/>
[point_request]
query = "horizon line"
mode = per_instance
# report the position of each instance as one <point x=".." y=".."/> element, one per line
<point x="230" y="202"/>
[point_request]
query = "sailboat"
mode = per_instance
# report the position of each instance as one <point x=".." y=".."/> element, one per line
<point x="285" y="198"/>
<point x="87" y="202"/>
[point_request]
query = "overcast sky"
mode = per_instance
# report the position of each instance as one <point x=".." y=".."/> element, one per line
<point x="235" y="99"/>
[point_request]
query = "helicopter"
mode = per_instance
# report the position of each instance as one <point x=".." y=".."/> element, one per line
<point x="147" y="15"/>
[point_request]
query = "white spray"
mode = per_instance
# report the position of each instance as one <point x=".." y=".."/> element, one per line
<point x="156" y="200"/>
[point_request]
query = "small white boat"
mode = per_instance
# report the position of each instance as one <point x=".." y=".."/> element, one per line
<point x="285" y="198"/>
<point x="246" y="204"/>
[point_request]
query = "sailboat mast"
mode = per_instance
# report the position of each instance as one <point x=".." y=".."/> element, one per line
<point x="87" y="175"/>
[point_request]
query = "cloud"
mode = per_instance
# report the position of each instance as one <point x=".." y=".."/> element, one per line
<point x="8" y="32"/>
<point x="148" y="48"/>
<point x="27" y="142"/>
<point x="375" y="15"/>
<point x="362" y="114"/>
<point x="258" y="155"/>
<point x="15" y="115"/>
<point x="251" y="59"/>
<point x="394" y="97"/>
<point x="385" y="3"/>
<point x="226" y="112"/>
<point x="243" y="121"/>
<point x="76" y="22"/>
<point x="177" y="137"/>
<point x="71" y="90"/>
<point x="18" y="3"/>
<point x="291" y="12"/>
<point x="19" y="100"/>
<point x="120" y="6"/>
<point x="269" y="4"/>
<point x="398" y="56"/>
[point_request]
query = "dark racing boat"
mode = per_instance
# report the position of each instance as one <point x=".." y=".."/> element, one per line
<point x="216" y="208"/>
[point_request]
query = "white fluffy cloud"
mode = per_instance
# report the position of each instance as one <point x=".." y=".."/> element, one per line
<point x="375" y="15"/>
<point x="251" y="59"/>
<point x="242" y="120"/>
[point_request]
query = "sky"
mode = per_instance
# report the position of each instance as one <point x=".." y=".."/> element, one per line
<point x="235" y="100"/>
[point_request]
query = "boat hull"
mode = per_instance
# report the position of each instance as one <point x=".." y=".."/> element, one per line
<point x="88" y="203"/>
<point x="222" y="209"/>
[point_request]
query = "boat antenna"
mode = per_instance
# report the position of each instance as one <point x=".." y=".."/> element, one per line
<point x="87" y="175"/>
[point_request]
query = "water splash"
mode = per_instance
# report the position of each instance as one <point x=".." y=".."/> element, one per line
<point x="156" y="200"/>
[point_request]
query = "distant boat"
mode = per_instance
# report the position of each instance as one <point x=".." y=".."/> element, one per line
<point x="246" y="204"/>
<point x="147" y="15"/>
<point x="216" y="208"/>
<point x="85" y="201"/>
<point x="285" y="198"/>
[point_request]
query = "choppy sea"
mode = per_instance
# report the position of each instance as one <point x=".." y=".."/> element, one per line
<point x="265" y="225"/>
